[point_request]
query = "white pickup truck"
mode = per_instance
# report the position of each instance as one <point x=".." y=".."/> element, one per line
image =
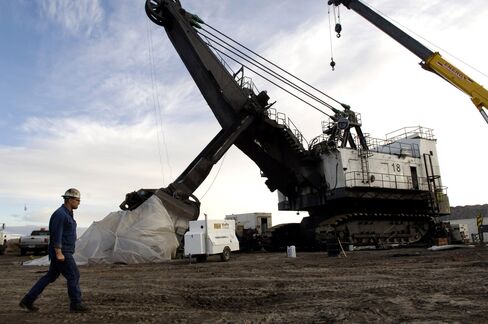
<point x="37" y="242"/>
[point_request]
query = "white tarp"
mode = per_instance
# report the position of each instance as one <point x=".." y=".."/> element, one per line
<point x="143" y="235"/>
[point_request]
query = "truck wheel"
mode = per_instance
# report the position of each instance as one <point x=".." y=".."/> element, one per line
<point x="2" y="249"/>
<point x="23" y="252"/>
<point x="225" y="256"/>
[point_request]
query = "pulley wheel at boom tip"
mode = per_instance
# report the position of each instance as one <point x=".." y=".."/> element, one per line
<point x="154" y="10"/>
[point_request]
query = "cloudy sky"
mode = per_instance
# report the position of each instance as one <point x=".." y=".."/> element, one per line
<point x="94" y="96"/>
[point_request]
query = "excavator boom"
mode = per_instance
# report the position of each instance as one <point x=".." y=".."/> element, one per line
<point x="241" y="112"/>
<point x="386" y="192"/>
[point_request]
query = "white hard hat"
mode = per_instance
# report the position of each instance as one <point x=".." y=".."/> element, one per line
<point x="72" y="193"/>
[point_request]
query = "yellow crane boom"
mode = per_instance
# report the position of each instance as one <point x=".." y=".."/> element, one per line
<point x="479" y="95"/>
<point x="431" y="61"/>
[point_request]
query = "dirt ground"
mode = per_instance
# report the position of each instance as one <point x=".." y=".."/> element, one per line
<point x="388" y="286"/>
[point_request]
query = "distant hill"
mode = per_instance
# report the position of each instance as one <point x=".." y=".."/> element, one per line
<point x="467" y="212"/>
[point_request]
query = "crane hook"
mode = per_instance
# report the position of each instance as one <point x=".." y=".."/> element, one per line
<point x="338" y="29"/>
<point x="332" y="64"/>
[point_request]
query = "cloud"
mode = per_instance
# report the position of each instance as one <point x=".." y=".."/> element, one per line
<point x="105" y="161"/>
<point x="73" y="16"/>
<point x="119" y="75"/>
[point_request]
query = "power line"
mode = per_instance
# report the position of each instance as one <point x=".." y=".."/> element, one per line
<point x="215" y="177"/>
<point x="157" y="108"/>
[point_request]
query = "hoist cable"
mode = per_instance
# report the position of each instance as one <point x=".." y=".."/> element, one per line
<point x="270" y="81"/>
<point x="275" y="84"/>
<point x="263" y="58"/>
<point x="268" y="71"/>
<point x="330" y="34"/>
<point x="335" y="17"/>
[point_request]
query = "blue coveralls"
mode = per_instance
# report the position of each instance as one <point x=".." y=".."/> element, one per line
<point x="62" y="232"/>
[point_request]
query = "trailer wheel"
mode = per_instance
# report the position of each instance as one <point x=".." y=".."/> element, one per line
<point x="225" y="256"/>
<point x="23" y="251"/>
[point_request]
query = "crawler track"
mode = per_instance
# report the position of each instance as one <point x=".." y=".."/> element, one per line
<point x="375" y="229"/>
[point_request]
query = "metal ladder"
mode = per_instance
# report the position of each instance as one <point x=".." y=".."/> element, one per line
<point x="364" y="158"/>
<point x="431" y="178"/>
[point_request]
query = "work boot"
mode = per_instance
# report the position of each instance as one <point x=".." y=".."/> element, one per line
<point x="29" y="306"/>
<point x="78" y="308"/>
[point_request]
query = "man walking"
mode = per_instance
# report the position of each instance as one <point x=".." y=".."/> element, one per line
<point x="62" y="232"/>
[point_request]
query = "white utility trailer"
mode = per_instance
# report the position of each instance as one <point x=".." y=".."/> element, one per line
<point x="210" y="237"/>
